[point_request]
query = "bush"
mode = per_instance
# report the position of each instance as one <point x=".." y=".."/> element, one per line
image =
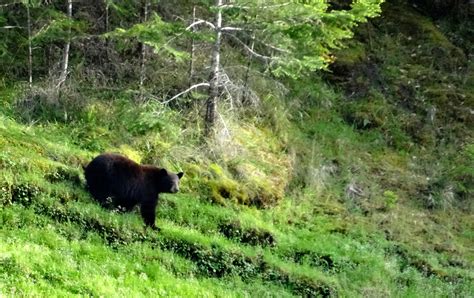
<point x="50" y="104"/>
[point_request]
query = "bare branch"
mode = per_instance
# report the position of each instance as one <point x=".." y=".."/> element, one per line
<point x="275" y="6"/>
<point x="233" y="6"/>
<point x="226" y="131"/>
<point x="186" y="91"/>
<point x="250" y="51"/>
<point x="10" y="27"/>
<point x="8" y="4"/>
<point x="232" y="29"/>
<point x="238" y="91"/>
<point x="194" y="24"/>
<point x="270" y="46"/>
<point x="257" y="7"/>
<point x="201" y="22"/>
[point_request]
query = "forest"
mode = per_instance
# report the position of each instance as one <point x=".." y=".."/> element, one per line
<point x="327" y="147"/>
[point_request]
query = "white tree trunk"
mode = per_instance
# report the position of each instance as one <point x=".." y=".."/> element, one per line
<point x="64" y="70"/>
<point x="30" y="49"/>
<point x="143" y="47"/>
<point x="193" y="49"/>
<point x="211" y="105"/>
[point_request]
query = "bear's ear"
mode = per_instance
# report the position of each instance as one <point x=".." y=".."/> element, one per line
<point x="180" y="174"/>
<point x="163" y="172"/>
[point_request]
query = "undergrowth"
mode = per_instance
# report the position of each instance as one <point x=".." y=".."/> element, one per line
<point x="307" y="245"/>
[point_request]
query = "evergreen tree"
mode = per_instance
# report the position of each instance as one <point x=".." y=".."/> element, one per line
<point x="288" y="38"/>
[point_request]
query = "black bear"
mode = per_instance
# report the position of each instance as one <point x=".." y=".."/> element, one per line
<point x="121" y="181"/>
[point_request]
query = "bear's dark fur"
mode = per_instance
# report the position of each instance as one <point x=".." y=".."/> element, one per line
<point x="121" y="181"/>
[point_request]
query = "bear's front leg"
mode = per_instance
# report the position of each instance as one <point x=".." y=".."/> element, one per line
<point x="147" y="210"/>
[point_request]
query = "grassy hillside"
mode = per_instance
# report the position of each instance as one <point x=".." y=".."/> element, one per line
<point x="357" y="182"/>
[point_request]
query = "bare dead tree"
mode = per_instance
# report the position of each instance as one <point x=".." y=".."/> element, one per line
<point x="106" y="28"/>
<point x="214" y="82"/>
<point x="146" y="6"/>
<point x="211" y="103"/>
<point x="30" y="49"/>
<point x="193" y="49"/>
<point x="64" y="71"/>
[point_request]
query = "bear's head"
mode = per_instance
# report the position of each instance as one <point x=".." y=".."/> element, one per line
<point x="168" y="182"/>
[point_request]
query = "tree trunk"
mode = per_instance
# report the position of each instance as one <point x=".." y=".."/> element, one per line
<point x="63" y="76"/>
<point x="247" y="72"/>
<point x="193" y="49"/>
<point x="143" y="47"/>
<point x="211" y="104"/>
<point x="30" y="49"/>
<point x="106" y="29"/>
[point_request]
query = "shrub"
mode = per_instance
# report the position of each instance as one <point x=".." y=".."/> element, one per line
<point x="50" y="104"/>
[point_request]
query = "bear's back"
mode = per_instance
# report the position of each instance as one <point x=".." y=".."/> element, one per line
<point x="113" y="175"/>
<point x="112" y="162"/>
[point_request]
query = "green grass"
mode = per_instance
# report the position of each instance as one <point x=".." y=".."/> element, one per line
<point x="58" y="242"/>
<point x="60" y="259"/>
<point x="406" y="231"/>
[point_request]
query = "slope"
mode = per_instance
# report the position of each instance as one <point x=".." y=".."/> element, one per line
<point x="325" y="193"/>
